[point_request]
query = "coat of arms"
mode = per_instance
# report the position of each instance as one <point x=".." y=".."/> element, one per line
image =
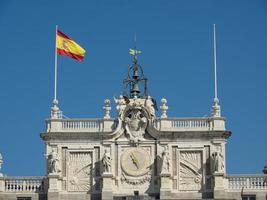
<point x="135" y="124"/>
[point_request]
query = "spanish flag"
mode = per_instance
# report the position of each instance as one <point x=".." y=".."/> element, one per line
<point x="67" y="47"/>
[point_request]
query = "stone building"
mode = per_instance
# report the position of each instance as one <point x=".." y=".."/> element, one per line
<point x="136" y="155"/>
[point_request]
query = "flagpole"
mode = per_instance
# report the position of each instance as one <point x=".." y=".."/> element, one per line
<point x="55" y="86"/>
<point x="216" y="109"/>
<point x="215" y="63"/>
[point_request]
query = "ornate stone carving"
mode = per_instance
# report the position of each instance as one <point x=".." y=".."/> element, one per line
<point x="106" y="162"/>
<point x="136" y="181"/>
<point x="79" y="171"/>
<point x="218" y="161"/>
<point x="135" y="117"/>
<point x="121" y="105"/>
<point x="165" y="161"/>
<point x="53" y="162"/>
<point x="135" y="124"/>
<point x="190" y="170"/>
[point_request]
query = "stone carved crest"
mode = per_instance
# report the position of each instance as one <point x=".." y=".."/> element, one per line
<point x="190" y="170"/>
<point x="135" y="124"/>
<point x="135" y="118"/>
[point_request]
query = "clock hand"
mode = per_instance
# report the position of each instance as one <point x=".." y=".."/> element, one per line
<point x="134" y="160"/>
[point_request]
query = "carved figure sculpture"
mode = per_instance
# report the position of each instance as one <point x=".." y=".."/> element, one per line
<point x="150" y="106"/>
<point x="121" y="104"/>
<point x="106" y="161"/>
<point x="165" y="160"/>
<point x="218" y="161"/>
<point x="53" y="162"/>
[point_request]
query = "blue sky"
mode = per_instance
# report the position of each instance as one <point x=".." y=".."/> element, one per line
<point x="175" y="37"/>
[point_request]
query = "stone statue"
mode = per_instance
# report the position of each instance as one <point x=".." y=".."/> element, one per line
<point x="121" y="104"/>
<point x="53" y="162"/>
<point x="165" y="160"/>
<point x="218" y="161"/>
<point x="106" y="161"/>
<point x="150" y="106"/>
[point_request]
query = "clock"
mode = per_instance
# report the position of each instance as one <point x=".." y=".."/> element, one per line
<point x="135" y="161"/>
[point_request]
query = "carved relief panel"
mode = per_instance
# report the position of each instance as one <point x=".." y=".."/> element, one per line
<point x="79" y="171"/>
<point x="190" y="170"/>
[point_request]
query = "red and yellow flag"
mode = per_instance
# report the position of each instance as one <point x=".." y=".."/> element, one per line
<point x="67" y="47"/>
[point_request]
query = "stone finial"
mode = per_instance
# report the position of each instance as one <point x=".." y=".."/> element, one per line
<point x="216" y="109"/>
<point x="107" y="109"/>
<point x="164" y="108"/>
<point x="55" y="111"/>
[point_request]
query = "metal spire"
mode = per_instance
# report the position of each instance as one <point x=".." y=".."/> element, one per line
<point x="216" y="110"/>
<point x="135" y="76"/>
<point x="134" y="52"/>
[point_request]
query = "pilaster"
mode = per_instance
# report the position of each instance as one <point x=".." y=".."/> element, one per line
<point x="165" y="187"/>
<point x="2" y="183"/>
<point x="107" y="193"/>
<point x="54" y="187"/>
<point x="219" y="186"/>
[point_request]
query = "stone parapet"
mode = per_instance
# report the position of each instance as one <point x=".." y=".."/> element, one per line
<point x="109" y="125"/>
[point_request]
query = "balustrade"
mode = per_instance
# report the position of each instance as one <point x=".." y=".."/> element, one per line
<point x="247" y="182"/>
<point x="201" y="123"/>
<point x="24" y="184"/>
<point x="168" y="124"/>
<point x="81" y="124"/>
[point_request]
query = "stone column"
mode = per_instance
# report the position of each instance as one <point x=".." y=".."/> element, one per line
<point x="54" y="186"/>
<point x="107" y="193"/>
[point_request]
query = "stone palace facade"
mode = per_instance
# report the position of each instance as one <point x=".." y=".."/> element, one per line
<point x="136" y="155"/>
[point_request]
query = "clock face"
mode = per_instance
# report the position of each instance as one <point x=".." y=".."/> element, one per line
<point x="135" y="161"/>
